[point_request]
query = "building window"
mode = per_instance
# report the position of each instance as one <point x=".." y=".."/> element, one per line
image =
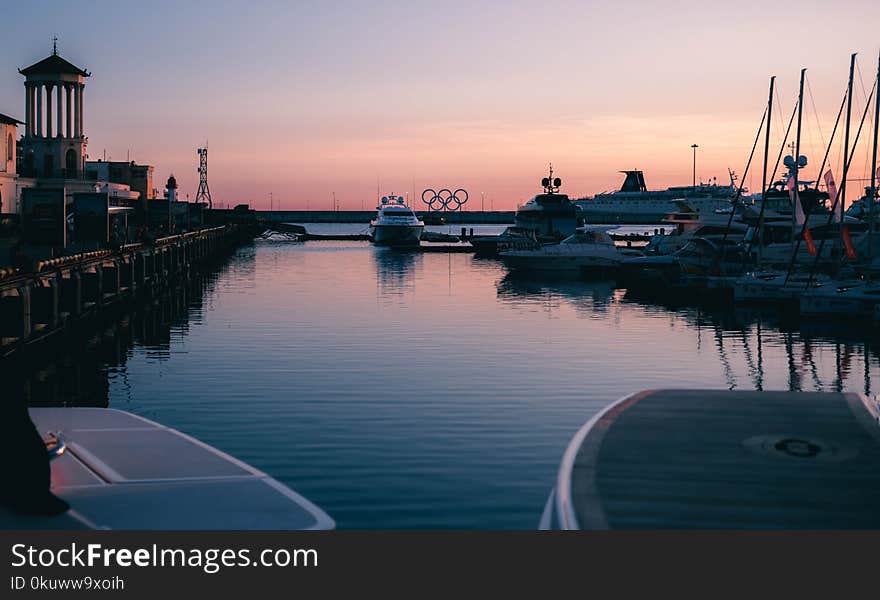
<point x="10" y="147"/>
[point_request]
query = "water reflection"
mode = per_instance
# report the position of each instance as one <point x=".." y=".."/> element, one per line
<point x="81" y="369"/>
<point x="418" y="390"/>
<point x="395" y="269"/>
<point x="587" y="297"/>
<point x="810" y="355"/>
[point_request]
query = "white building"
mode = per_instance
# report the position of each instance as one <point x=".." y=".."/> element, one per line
<point x="8" y="157"/>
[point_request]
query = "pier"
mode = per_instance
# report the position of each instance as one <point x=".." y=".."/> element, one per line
<point x="64" y="291"/>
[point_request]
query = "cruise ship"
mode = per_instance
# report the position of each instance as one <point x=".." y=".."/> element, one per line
<point x="633" y="203"/>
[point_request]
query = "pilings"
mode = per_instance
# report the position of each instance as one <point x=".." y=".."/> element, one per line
<point x="66" y="290"/>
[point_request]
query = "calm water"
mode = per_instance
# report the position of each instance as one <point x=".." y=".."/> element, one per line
<point x="418" y="390"/>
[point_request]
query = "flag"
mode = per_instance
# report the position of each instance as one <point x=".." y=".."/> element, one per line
<point x="800" y="218"/>
<point x="832" y="194"/>
<point x="847" y="244"/>
<point x="844" y="233"/>
<point x="796" y="202"/>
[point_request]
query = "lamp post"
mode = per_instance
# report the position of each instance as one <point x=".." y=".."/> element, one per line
<point x="482" y="200"/>
<point x="694" y="183"/>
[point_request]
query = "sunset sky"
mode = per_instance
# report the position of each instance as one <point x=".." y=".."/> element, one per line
<point x="307" y="98"/>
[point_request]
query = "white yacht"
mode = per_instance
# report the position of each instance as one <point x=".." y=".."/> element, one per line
<point x="841" y="299"/>
<point x="396" y="224"/>
<point x="689" y="224"/>
<point x="117" y="470"/>
<point x="771" y="286"/>
<point x="590" y="250"/>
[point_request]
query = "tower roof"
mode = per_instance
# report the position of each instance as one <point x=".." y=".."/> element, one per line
<point x="53" y="65"/>
<point x="6" y="120"/>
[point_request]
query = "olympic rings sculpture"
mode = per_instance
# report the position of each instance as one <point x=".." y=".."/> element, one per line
<point x="445" y="199"/>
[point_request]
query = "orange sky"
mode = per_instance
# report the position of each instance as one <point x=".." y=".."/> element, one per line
<point x="308" y="98"/>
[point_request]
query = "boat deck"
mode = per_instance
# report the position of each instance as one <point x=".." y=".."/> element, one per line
<point x="718" y="459"/>
<point x="121" y="471"/>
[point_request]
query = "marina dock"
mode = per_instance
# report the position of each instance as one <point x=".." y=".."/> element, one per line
<point x="64" y="291"/>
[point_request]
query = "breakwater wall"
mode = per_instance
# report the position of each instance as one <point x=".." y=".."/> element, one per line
<point x="363" y="216"/>
<point x="62" y="292"/>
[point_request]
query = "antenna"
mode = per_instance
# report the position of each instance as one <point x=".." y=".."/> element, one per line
<point x="54" y="45"/>
<point x="204" y="194"/>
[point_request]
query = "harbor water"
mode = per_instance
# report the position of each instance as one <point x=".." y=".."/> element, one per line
<point x="407" y="390"/>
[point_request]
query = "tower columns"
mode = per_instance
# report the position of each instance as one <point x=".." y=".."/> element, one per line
<point x="60" y="112"/>
<point x="39" y="111"/>
<point x="79" y="111"/>
<point x="49" y="87"/>
<point x="27" y="110"/>
<point x="67" y="92"/>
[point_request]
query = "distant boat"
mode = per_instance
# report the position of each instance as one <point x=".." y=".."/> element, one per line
<point x="396" y="224"/>
<point x="551" y="214"/>
<point x="512" y="238"/>
<point x="688" y="224"/>
<point x="635" y="203"/>
<point x="589" y="251"/>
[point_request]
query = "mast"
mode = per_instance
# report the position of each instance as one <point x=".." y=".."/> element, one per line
<point x="742" y="181"/>
<point x="849" y="86"/>
<point x="760" y="228"/>
<point x="872" y="194"/>
<point x="796" y="199"/>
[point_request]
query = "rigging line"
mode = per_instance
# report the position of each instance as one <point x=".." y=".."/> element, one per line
<point x="867" y="101"/>
<point x="742" y="180"/>
<point x="797" y="246"/>
<point x="815" y="112"/>
<point x="832" y="214"/>
<point x="759" y="228"/>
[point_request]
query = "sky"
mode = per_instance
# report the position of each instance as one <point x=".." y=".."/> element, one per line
<point x="304" y="99"/>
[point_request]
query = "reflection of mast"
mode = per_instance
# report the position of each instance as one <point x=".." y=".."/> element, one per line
<point x="814" y="372"/>
<point x="794" y="381"/>
<point x="725" y="361"/>
<point x="838" y="382"/>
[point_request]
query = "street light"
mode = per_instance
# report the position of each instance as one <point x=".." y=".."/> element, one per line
<point x="694" y="146"/>
<point x="482" y="199"/>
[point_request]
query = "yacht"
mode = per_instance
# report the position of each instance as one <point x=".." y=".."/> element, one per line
<point x="698" y="258"/>
<point x="841" y="299"/>
<point x="775" y="246"/>
<point x="689" y="224"/>
<point x="721" y="459"/>
<point x="550" y="215"/>
<point x="770" y="286"/>
<point x="396" y="224"/>
<point x="512" y="238"/>
<point x="117" y="470"/>
<point x="634" y="203"/>
<point x="589" y="251"/>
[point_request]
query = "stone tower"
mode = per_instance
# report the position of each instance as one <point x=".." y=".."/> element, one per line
<point x="54" y="144"/>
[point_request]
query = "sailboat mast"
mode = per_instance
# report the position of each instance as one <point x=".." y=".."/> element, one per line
<point x="797" y="167"/>
<point x="842" y="193"/>
<point x="872" y="194"/>
<point x="760" y="228"/>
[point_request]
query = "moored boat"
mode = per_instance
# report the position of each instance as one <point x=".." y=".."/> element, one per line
<point x="396" y="224"/>
<point x="589" y="251"/>
<point x="118" y="470"/>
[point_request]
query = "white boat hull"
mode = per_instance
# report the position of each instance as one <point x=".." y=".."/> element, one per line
<point x="122" y="471"/>
<point x="396" y="235"/>
<point x="558" y="263"/>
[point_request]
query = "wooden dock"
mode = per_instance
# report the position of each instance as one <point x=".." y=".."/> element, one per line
<point x="718" y="459"/>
